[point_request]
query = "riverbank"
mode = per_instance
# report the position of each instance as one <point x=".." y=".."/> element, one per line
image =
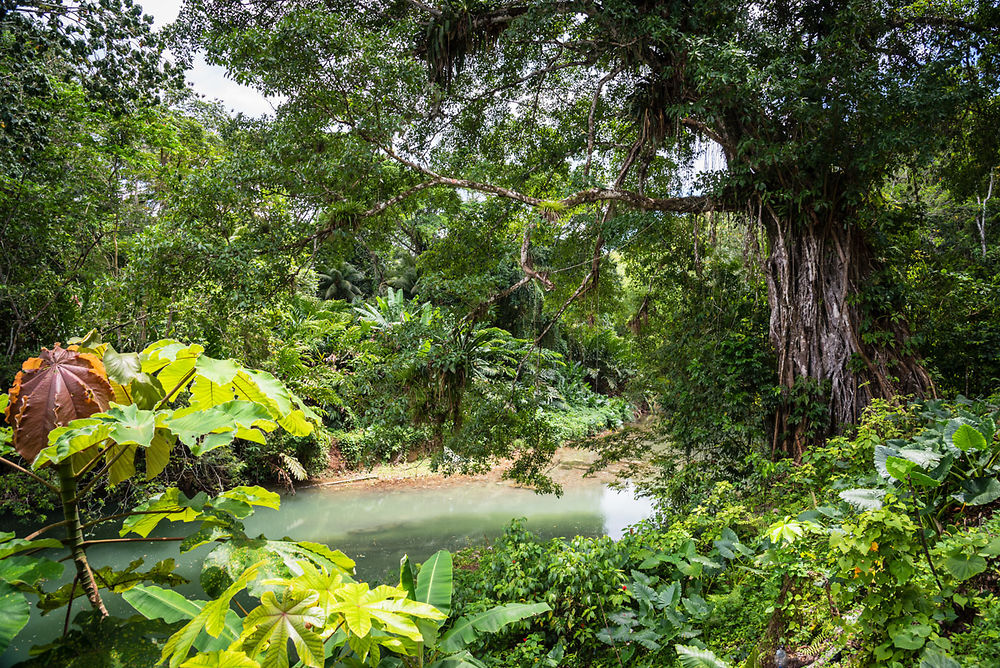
<point x="582" y="462"/>
<point x="570" y="466"/>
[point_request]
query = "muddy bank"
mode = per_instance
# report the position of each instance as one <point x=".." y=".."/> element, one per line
<point x="570" y="467"/>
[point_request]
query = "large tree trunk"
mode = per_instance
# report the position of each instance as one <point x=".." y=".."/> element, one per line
<point x="814" y="274"/>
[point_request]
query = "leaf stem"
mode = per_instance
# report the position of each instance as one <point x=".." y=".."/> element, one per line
<point x="104" y="469"/>
<point x="88" y="543"/>
<point x="183" y="381"/>
<point x="118" y="516"/>
<point x="923" y="539"/>
<point x="33" y="475"/>
<point x="36" y="534"/>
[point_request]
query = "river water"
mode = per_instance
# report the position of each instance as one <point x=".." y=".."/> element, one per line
<point x="375" y="527"/>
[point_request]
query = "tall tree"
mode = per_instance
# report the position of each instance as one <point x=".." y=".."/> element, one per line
<point x="71" y="74"/>
<point x="582" y="110"/>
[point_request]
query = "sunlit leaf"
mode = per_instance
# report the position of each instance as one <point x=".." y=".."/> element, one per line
<point x="269" y="627"/>
<point x="468" y="628"/>
<point x="211" y="618"/>
<point x="221" y="659"/>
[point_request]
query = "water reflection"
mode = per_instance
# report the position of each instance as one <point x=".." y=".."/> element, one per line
<point x="376" y="527"/>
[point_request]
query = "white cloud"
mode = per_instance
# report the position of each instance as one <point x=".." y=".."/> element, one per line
<point x="211" y="81"/>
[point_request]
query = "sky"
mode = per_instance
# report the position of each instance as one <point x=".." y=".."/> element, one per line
<point x="210" y="80"/>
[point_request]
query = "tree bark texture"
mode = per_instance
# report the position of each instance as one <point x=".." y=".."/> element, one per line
<point x="814" y="274"/>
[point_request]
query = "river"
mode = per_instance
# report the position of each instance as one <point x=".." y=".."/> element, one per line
<point x="376" y="526"/>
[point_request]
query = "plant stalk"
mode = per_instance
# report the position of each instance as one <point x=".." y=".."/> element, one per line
<point x="74" y="536"/>
<point x="923" y="539"/>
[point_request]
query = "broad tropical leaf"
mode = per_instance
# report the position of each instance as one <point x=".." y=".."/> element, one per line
<point x="406" y="581"/>
<point x="157" y="603"/>
<point x="384" y="607"/>
<point x="963" y="567"/>
<point x="211" y="618"/>
<point x="979" y="491"/>
<point x="469" y="627"/>
<point x="968" y="438"/>
<point x="692" y="657"/>
<point x="277" y="560"/>
<point x="221" y="659"/>
<point x="460" y="660"/>
<point x="14" y="614"/>
<point x="172" y="505"/>
<point x="269" y="627"/>
<point x="10" y="545"/>
<point x="938" y="659"/>
<point x="434" y="584"/>
<point x="54" y="389"/>
<point x="865" y="499"/>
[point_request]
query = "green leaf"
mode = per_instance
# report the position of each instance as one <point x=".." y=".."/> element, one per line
<point x="262" y="388"/>
<point x="978" y="491"/>
<point x="146" y="391"/>
<point x="920" y="457"/>
<point x="275" y="557"/>
<point x="158" y="453"/>
<point x="121" y="367"/>
<point x="221" y="659"/>
<point x="386" y="608"/>
<point x="178" y="372"/>
<point x="206" y="394"/>
<point x="154" y="602"/>
<point x="865" y="499"/>
<point x="157" y="603"/>
<point x="253" y="495"/>
<point x="406" y="581"/>
<point x="468" y="628"/>
<point x="922" y="480"/>
<point x="269" y="627"/>
<point x="295" y="423"/>
<point x="77" y="436"/>
<point x="934" y="658"/>
<point x="967" y="437"/>
<point x="692" y="657"/>
<point x="992" y="549"/>
<point x="122" y="465"/>
<point x="899" y="468"/>
<point x="697" y="606"/>
<point x="963" y="567"/>
<point x="130" y="425"/>
<point x="172" y="505"/>
<point x="219" y="372"/>
<point x="434" y="581"/>
<point x="10" y="545"/>
<point x="14" y="614"/>
<point x="461" y="660"/>
<point x="211" y="618"/>
<point x="28" y="571"/>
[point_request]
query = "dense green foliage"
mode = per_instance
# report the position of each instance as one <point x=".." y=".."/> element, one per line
<point x="473" y="232"/>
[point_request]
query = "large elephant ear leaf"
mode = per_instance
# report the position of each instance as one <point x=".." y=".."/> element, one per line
<point x="968" y="438"/>
<point x="54" y="389"/>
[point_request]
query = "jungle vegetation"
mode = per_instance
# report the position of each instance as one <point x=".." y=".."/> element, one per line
<point x="476" y="230"/>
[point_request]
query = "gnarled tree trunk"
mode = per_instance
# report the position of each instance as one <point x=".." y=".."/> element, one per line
<point x="814" y="274"/>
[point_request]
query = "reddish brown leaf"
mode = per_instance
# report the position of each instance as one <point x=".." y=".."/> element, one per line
<point x="51" y="390"/>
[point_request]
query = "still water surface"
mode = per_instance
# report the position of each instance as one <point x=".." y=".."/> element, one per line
<point x="376" y="527"/>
